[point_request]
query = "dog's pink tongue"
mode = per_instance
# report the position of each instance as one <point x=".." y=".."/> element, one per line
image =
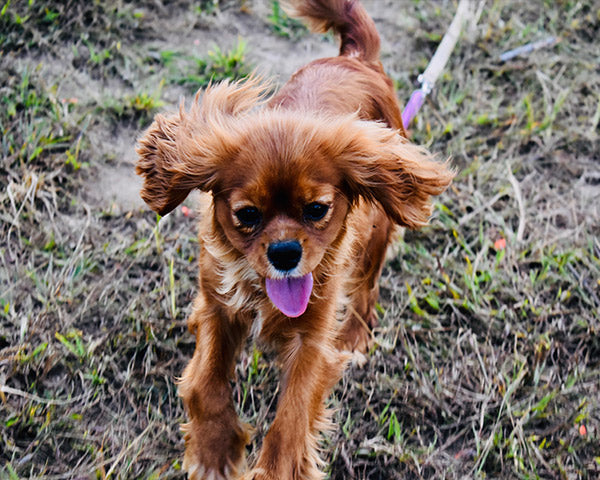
<point x="290" y="294"/>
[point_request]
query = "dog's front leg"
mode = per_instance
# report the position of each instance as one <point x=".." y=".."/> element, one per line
<point x="214" y="436"/>
<point x="310" y="367"/>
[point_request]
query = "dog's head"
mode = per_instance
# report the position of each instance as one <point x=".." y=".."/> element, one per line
<point x="283" y="182"/>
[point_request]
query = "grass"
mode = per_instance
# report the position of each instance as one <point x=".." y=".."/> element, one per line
<point x="486" y="358"/>
<point x="283" y="25"/>
<point x="140" y="106"/>
<point x="217" y="66"/>
<point x="195" y="72"/>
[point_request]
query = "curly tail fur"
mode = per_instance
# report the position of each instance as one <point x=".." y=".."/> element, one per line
<point x="348" y="18"/>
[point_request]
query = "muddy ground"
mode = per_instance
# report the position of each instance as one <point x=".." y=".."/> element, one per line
<point x="487" y="360"/>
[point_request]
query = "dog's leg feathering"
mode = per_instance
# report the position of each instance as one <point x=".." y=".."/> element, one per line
<point x="310" y="368"/>
<point x="215" y="438"/>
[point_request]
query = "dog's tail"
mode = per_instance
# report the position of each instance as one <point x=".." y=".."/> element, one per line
<point x="348" y="18"/>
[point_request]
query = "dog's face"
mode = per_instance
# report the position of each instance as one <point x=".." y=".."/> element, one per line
<point x="281" y="202"/>
<point x="281" y="213"/>
<point x="283" y="184"/>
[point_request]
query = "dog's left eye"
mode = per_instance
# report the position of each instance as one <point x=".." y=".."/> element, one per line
<point x="315" y="211"/>
<point x="249" y="216"/>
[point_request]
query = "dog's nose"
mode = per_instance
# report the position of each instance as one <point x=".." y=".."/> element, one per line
<point x="286" y="255"/>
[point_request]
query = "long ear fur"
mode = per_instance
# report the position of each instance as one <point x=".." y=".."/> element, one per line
<point x="381" y="166"/>
<point x="183" y="151"/>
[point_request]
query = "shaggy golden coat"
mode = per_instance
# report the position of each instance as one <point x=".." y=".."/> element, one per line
<point x="322" y="171"/>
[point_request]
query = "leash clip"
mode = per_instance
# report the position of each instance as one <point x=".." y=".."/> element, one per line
<point x="426" y="86"/>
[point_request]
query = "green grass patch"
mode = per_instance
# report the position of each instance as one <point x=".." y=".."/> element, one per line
<point x="283" y="25"/>
<point x="218" y="65"/>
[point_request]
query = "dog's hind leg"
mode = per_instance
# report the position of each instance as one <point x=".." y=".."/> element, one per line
<point x="356" y="332"/>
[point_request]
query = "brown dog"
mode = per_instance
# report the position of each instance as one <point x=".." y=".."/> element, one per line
<point x="305" y="193"/>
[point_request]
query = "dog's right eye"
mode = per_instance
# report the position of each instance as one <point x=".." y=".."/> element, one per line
<point x="315" y="211"/>
<point x="249" y="217"/>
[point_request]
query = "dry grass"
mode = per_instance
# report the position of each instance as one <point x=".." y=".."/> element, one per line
<point x="487" y="361"/>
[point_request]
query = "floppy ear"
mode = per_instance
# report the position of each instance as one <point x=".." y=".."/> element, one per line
<point x="381" y="166"/>
<point x="183" y="151"/>
<point x="158" y="158"/>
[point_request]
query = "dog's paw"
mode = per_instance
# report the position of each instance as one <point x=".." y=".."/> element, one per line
<point x="358" y="359"/>
<point x="198" y="471"/>
<point x="258" y="474"/>
<point x="355" y="339"/>
<point x="214" y="453"/>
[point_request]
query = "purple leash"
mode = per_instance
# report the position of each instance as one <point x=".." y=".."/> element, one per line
<point x="413" y="106"/>
<point x="437" y="63"/>
<point x="442" y="54"/>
